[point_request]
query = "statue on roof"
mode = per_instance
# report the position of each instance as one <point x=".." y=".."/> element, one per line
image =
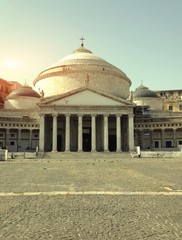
<point x="41" y="92"/>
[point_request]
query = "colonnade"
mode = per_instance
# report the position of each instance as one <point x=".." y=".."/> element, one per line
<point x="162" y="138"/>
<point x="12" y="138"/>
<point x="93" y="132"/>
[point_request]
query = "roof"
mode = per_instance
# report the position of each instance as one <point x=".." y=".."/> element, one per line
<point x="80" y="57"/>
<point x="143" y="91"/>
<point x="83" y="56"/>
<point x="24" y="91"/>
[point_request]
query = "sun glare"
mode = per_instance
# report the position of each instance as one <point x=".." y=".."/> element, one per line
<point x="11" y="64"/>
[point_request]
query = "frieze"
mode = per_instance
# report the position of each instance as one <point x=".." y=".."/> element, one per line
<point x="20" y="114"/>
<point x="9" y="119"/>
<point x="21" y="125"/>
<point x="72" y="71"/>
<point x="158" y="126"/>
<point x="89" y="110"/>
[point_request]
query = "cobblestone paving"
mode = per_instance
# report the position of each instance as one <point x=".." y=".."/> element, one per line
<point x="91" y="216"/>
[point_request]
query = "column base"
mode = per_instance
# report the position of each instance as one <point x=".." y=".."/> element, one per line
<point x="80" y="151"/>
<point x="54" y="151"/>
<point x="106" y="151"/>
<point x="119" y="151"/>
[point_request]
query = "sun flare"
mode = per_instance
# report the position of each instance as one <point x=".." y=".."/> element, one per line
<point x="12" y="64"/>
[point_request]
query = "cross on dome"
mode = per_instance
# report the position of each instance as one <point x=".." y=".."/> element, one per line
<point x="82" y="39"/>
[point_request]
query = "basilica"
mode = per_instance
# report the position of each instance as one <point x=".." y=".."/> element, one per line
<point x="83" y="103"/>
<point x="79" y="104"/>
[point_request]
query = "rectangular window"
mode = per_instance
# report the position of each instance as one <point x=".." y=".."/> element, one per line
<point x="36" y="135"/>
<point x="1" y="144"/>
<point x="170" y="108"/>
<point x="147" y="132"/>
<point x="180" y="107"/>
<point x="1" y="135"/>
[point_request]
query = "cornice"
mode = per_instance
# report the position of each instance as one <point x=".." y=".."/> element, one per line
<point x="68" y="71"/>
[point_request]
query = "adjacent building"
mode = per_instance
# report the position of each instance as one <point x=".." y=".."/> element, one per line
<point x="157" y="127"/>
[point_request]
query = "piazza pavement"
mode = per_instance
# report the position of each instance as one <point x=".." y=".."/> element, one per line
<point x="90" y="199"/>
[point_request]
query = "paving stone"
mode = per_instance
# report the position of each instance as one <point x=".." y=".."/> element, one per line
<point x="90" y="217"/>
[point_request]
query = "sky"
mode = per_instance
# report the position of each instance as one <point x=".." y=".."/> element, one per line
<point x="141" y="37"/>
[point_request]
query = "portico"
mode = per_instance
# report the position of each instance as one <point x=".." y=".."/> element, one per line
<point x="86" y="132"/>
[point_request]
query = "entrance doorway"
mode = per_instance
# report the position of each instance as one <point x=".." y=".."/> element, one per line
<point x="157" y="144"/>
<point x="59" y="143"/>
<point x="169" y="144"/>
<point x="86" y="139"/>
<point x="13" y="146"/>
<point x="112" y="143"/>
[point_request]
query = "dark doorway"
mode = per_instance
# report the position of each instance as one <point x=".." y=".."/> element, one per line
<point x="168" y="144"/>
<point x="112" y="143"/>
<point x="156" y="144"/>
<point x="59" y="143"/>
<point x="86" y="139"/>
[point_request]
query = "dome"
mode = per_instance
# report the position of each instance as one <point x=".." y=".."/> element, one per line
<point x="81" y="68"/>
<point x="143" y="96"/>
<point x="83" y="56"/>
<point x="143" y="91"/>
<point x="24" y="91"/>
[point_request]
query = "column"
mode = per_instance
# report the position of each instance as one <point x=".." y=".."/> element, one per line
<point x="54" y="133"/>
<point x="7" y="139"/>
<point x="67" y="129"/>
<point x="30" y="139"/>
<point x="152" y="139"/>
<point x="130" y="132"/>
<point x="162" y="138"/>
<point x="106" y="142"/>
<point x="174" y="138"/>
<point x="142" y="137"/>
<point x="118" y="133"/>
<point x="80" y="133"/>
<point x="19" y="138"/>
<point x="42" y="132"/>
<point x="93" y="117"/>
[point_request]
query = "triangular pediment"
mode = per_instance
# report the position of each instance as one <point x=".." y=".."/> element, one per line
<point x="84" y="97"/>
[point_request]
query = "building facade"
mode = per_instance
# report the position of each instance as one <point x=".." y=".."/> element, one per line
<point x="172" y="99"/>
<point x="156" y="127"/>
<point x="83" y="106"/>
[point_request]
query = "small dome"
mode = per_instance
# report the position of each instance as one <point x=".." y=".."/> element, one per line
<point x="24" y="91"/>
<point x="143" y="91"/>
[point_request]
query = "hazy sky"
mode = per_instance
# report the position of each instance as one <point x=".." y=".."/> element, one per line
<point x="141" y="37"/>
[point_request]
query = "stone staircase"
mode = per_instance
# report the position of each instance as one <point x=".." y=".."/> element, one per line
<point x="86" y="155"/>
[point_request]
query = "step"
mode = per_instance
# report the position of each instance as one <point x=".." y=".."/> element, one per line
<point x="86" y="155"/>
